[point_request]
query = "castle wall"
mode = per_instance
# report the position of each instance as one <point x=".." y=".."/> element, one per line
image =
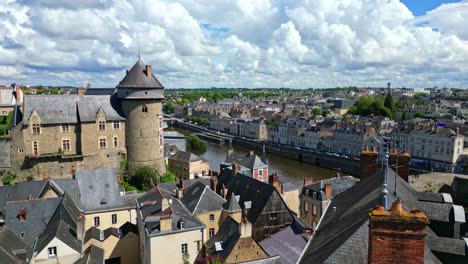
<point x="144" y="134"/>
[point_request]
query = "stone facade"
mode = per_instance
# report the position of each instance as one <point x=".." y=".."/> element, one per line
<point x="144" y="133"/>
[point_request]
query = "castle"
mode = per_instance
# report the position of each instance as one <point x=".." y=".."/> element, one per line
<point x="56" y="135"/>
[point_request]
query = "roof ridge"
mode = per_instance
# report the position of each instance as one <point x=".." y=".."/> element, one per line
<point x="201" y="197"/>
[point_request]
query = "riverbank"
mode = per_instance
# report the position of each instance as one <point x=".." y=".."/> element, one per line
<point x="336" y="163"/>
<point x="292" y="170"/>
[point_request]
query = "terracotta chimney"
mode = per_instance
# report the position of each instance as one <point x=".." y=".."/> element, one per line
<point x="368" y="163"/>
<point x="328" y="190"/>
<point x="404" y="159"/>
<point x="308" y="181"/>
<point x="22" y="214"/>
<point x="396" y="235"/>
<point x="235" y="168"/>
<point x="273" y="179"/>
<point x="148" y="71"/>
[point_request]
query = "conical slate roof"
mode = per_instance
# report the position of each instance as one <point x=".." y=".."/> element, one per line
<point x="137" y="78"/>
<point x="232" y="206"/>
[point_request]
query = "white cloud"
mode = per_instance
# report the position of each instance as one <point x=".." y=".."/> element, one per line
<point x="203" y="43"/>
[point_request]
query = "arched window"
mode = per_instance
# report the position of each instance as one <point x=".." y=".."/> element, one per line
<point x="144" y="109"/>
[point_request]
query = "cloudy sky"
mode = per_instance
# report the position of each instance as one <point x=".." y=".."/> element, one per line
<point x="237" y="43"/>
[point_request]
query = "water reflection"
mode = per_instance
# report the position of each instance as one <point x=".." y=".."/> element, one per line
<point x="292" y="170"/>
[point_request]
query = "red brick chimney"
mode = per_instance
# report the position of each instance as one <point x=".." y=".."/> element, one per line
<point x="403" y="163"/>
<point x="274" y="180"/>
<point x="148" y="71"/>
<point x="368" y="163"/>
<point x="396" y="235"/>
<point x="22" y="214"/>
<point x="308" y="181"/>
<point x="328" y="190"/>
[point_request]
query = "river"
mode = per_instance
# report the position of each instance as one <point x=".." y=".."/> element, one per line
<point x="292" y="170"/>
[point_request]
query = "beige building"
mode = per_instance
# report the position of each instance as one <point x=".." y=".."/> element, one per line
<point x="315" y="197"/>
<point x="186" y="165"/>
<point x="169" y="233"/>
<point x="60" y="134"/>
<point x="120" y="245"/>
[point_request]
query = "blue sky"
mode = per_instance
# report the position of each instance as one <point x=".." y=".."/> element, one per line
<point x="420" y="7"/>
<point x="237" y="43"/>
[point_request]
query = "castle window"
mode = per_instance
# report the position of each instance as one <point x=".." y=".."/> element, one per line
<point x="144" y="109"/>
<point x="35" y="148"/>
<point x="116" y="142"/>
<point x="116" y="125"/>
<point x="65" y="128"/>
<point x="97" y="221"/>
<point x="36" y="129"/>
<point x="66" y="145"/>
<point x="184" y="248"/>
<point x="102" y="143"/>
<point x="102" y="125"/>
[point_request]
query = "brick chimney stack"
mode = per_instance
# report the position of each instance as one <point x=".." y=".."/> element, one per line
<point x="165" y="222"/>
<point x="308" y="181"/>
<point x="368" y="163"/>
<point x="148" y="71"/>
<point x="403" y="163"/>
<point x="328" y="190"/>
<point x="245" y="228"/>
<point x="396" y="235"/>
<point x="180" y="190"/>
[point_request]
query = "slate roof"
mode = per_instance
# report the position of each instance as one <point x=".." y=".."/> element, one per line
<point x="92" y="255"/>
<point x="95" y="233"/>
<point x="172" y="186"/>
<point x="232" y="204"/>
<point x="61" y="226"/>
<point x="12" y="249"/>
<point x="287" y="243"/>
<point x="100" y="91"/>
<point x="99" y="190"/>
<point x="246" y="160"/>
<point x="185" y="156"/>
<point x="199" y="198"/>
<point x="150" y="207"/>
<point x="137" y="78"/>
<point x="69" y="109"/>
<point x="249" y="190"/>
<point x="342" y="230"/>
<point x="228" y="235"/>
<point x="338" y="184"/>
<point x="38" y="214"/>
<point x="89" y="106"/>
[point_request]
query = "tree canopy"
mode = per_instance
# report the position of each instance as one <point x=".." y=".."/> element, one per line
<point x="367" y="105"/>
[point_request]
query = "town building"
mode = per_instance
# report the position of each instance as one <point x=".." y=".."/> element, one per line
<point x="315" y="197"/>
<point x="249" y="164"/>
<point x="10" y="97"/>
<point x="351" y="232"/>
<point x="186" y="165"/>
<point x="168" y="232"/>
<point x="59" y="134"/>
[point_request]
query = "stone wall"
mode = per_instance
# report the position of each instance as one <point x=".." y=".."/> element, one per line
<point x="144" y="134"/>
<point x="345" y="165"/>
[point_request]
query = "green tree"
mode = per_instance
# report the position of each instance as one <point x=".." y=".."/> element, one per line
<point x="419" y="114"/>
<point x="54" y="91"/>
<point x="143" y="176"/>
<point x="195" y="144"/>
<point x="167" y="177"/>
<point x="316" y="111"/>
<point x="389" y="102"/>
<point x="170" y="108"/>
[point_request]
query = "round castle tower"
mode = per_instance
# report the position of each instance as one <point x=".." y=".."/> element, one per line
<point x="141" y="96"/>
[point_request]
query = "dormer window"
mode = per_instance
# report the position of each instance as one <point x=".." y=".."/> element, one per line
<point x="36" y="129"/>
<point x="144" y="109"/>
<point x="102" y="125"/>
